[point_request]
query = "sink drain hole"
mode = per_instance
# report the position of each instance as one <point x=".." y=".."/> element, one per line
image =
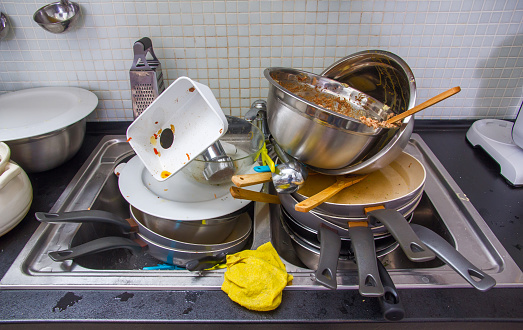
<point x="166" y="138"/>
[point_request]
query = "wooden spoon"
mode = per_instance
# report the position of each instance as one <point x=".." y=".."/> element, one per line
<point x="255" y="196"/>
<point x="424" y="105"/>
<point x="342" y="182"/>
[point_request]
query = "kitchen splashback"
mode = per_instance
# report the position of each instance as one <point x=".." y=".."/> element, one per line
<point x="227" y="45"/>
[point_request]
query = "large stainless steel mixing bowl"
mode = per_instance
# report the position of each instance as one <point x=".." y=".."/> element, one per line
<point x="47" y="151"/>
<point x="386" y="77"/>
<point x="313" y="134"/>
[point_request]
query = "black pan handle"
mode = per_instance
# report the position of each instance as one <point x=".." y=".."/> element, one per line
<point x="330" y="245"/>
<point x="146" y="42"/>
<point x="206" y="262"/>
<point x="362" y="242"/>
<point x="448" y="254"/>
<point x="390" y="303"/>
<point x="82" y="216"/>
<point x="409" y="242"/>
<point x="95" y="246"/>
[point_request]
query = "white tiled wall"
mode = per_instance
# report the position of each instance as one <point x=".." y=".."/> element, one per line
<point x="476" y="44"/>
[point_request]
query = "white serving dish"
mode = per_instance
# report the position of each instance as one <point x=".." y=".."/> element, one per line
<point x="180" y="198"/>
<point x="186" y="110"/>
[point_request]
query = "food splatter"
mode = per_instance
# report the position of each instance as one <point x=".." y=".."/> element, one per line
<point x="156" y="152"/>
<point x="164" y="175"/>
<point x="191" y="89"/>
<point x="188" y="157"/>
<point x="129" y="139"/>
<point x="172" y="128"/>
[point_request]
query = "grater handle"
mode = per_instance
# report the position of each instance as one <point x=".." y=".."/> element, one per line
<point x="146" y="42"/>
<point x="141" y="48"/>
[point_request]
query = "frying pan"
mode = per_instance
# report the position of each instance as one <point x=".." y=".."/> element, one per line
<point x="391" y="187"/>
<point x="309" y="254"/>
<point x="390" y="303"/>
<point x="370" y="284"/>
<point x="377" y="197"/>
<point x="180" y="208"/>
<point x="192" y="256"/>
<point x="398" y="185"/>
<point x="136" y="223"/>
<point x="191" y="260"/>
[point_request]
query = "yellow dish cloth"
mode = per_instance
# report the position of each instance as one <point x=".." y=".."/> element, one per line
<point x="255" y="279"/>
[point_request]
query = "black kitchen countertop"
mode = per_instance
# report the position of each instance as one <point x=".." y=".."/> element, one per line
<point x="500" y="205"/>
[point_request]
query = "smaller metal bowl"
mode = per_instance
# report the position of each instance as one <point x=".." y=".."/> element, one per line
<point x="58" y="17"/>
<point x="242" y="143"/>
<point x="4" y="26"/>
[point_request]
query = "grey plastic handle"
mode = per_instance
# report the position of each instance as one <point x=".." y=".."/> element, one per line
<point x="82" y="216"/>
<point x="362" y="242"/>
<point x="448" y="254"/>
<point x="390" y="303"/>
<point x="95" y="246"/>
<point x="330" y="245"/>
<point x="409" y="242"/>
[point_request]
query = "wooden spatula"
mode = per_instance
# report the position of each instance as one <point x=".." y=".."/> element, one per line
<point x="342" y="182"/>
<point x="255" y="196"/>
<point x="424" y="105"/>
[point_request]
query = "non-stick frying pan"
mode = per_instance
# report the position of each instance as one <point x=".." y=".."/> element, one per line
<point x="190" y="255"/>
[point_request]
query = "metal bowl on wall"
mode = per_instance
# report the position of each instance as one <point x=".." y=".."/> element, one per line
<point x="58" y="17"/>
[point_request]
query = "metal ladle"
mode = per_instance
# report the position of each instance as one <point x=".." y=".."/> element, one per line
<point x="288" y="177"/>
<point x="58" y="17"/>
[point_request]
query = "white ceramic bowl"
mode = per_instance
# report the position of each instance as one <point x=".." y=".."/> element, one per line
<point x="16" y="196"/>
<point x="5" y="155"/>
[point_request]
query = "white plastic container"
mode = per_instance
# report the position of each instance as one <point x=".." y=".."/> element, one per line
<point x="179" y="125"/>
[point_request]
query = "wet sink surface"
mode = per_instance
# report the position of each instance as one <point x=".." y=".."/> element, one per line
<point x="443" y="208"/>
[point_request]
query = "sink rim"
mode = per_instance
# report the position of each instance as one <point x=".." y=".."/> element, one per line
<point x="21" y="275"/>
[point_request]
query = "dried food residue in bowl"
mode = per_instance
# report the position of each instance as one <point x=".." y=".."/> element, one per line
<point x="336" y="103"/>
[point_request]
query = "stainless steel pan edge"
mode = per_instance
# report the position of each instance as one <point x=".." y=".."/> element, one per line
<point x="312" y="217"/>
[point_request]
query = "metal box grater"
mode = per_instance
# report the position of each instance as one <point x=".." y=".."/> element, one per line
<point x="146" y="76"/>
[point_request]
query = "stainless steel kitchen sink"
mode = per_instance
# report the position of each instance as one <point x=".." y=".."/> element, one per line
<point x="443" y="208"/>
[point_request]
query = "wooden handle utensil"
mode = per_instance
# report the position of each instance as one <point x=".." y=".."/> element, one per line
<point x="245" y="180"/>
<point x="255" y="196"/>
<point x="424" y="105"/>
<point x="341" y="183"/>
